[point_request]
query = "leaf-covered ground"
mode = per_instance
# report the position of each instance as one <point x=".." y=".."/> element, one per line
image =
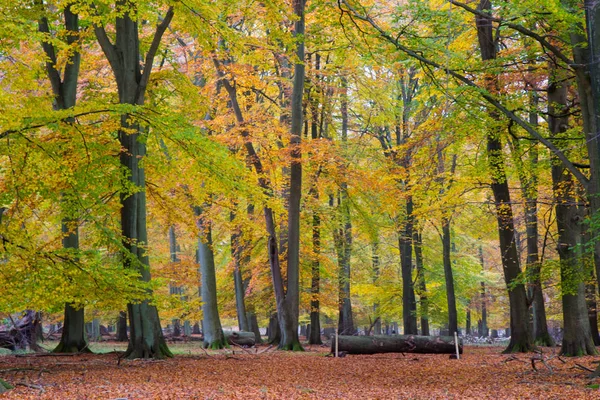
<point x="481" y="373"/>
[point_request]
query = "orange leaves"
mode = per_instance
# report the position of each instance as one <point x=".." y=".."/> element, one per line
<point x="481" y="373"/>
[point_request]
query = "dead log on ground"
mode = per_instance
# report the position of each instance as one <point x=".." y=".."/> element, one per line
<point x="396" y="344"/>
<point x="240" y="338"/>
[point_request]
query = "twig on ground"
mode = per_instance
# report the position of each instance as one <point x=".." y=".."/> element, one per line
<point x="583" y="367"/>
<point x="30" y="385"/>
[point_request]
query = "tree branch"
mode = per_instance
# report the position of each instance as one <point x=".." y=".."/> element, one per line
<point x="521" y="29"/>
<point x="160" y="30"/>
<point x="48" y="48"/>
<point x="486" y="96"/>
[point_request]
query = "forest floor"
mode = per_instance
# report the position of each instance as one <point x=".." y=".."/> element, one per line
<point x="263" y="373"/>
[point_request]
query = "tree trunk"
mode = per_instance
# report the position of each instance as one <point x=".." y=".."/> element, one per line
<point x="592" y="307"/>
<point x="343" y="236"/>
<point x="122" y="327"/>
<point x="450" y="294"/>
<point x="274" y="331"/>
<point x="376" y="272"/>
<point x="520" y="340"/>
<point x="146" y="339"/>
<point x="409" y="304"/>
<point x="253" y="324"/>
<point x="236" y="253"/>
<point x="421" y="287"/>
<point x="577" y="338"/>
<point x="211" y="323"/>
<point x="240" y="338"/>
<point x="314" y="334"/>
<point x="397" y="344"/>
<point x="73" y="338"/>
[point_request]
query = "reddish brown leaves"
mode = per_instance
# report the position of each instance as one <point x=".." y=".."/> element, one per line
<point x="480" y="373"/>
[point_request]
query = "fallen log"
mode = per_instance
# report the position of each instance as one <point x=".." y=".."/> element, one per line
<point x="240" y="338"/>
<point x="396" y="344"/>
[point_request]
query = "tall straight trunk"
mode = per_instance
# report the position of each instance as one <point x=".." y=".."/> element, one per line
<point x="450" y="294"/>
<point x="146" y="339"/>
<point x="577" y="339"/>
<point x="376" y="273"/>
<point x="421" y="286"/>
<point x="237" y="249"/>
<point x="520" y="340"/>
<point x="344" y="236"/>
<point x="288" y="303"/>
<point x="588" y="55"/>
<point x="409" y="303"/>
<point x="482" y="325"/>
<point x="174" y="290"/>
<point x="314" y="335"/>
<point x="211" y="323"/>
<point x="528" y="177"/>
<point x="592" y="307"/>
<point x="73" y="338"/>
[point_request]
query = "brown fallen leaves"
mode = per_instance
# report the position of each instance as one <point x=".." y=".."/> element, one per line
<point x="481" y="373"/>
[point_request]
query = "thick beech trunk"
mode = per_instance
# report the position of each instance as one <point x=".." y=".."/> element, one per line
<point x="253" y="324"/>
<point x="520" y="340"/>
<point x="73" y="338"/>
<point x="122" y="327"/>
<point x="397" y="344"/>
<point x="146" y="339"/>
<point x="274" y="330"/>
<point x="592" y="307"/>
<point x="211" y="323"/>
<point x="577" y="338"/>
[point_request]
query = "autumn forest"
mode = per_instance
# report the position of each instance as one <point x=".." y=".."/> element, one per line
<point x="318" y="186"/>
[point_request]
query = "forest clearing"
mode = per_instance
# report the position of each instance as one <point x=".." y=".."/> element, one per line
<point x="403" y="180"/>
<point x="482" y="373"/>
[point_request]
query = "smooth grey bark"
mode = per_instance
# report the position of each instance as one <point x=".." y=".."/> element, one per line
<point x="174" y="290"/>
<point x="421" y="286"/>
<point x="237" y="250"/>
<point x="482" y="325"/>
<point x="314" y="334"/>
<point x="146" y="339"/>
<point x="449" y="279"/>
<point x="376" y="272"/>
<point x="343" y="235"/>
<point x="211" y="323"/>
<point x="520" y="340"/>
<point x="577" y="338"/>
<point x="409" y="303"/>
